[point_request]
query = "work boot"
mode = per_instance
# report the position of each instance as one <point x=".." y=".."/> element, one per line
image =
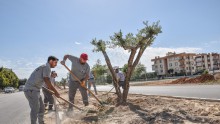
<point x="50" y="107"/>
<point x="86" y="104"/>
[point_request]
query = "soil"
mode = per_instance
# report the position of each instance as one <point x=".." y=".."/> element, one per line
<point x="142" y="109"/>
<point x="203" y="79"/>
<point x="200" y="79"/>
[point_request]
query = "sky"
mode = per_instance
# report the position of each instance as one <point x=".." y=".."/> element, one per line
<point x="30" y="31"/>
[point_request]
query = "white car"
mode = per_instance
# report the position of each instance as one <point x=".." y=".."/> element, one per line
<point x="21" y="88"/>
<point x="9" y="90"/>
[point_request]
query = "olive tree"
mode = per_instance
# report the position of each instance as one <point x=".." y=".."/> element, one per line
<point x="135" y="44"/>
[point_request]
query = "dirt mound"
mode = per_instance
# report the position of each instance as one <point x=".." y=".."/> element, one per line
<point x="180" y="80"/>
<point x="200" y="79"/>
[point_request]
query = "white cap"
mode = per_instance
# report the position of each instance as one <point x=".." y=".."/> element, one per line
<point x="116" y="67"/>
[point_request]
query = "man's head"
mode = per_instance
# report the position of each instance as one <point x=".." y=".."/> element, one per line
<point x="53" y="74"/>
<point x="83" y="58"/>
<point x="116" y="68"/>
<point x="52" y="60"/>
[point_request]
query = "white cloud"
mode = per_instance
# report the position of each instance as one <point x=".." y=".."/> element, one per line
<point x="77" y="43"/>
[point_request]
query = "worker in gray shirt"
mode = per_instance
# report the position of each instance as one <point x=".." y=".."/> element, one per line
<point x="81" y="69"/>
<point x="33" y="86"/>
<point x="48" y="97"/>
<point x="91" y="81"/>
<point x="120" y="78"/>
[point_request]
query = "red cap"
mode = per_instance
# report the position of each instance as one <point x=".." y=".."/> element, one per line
<point x="84" y="56"/>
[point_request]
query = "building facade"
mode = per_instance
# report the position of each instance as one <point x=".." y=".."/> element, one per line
<point x="185" y="63"/>
<point x="210" y="61"/>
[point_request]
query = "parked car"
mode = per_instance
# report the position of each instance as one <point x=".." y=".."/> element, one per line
<point x="9" y="90"/>
<point x="21" y="88"/>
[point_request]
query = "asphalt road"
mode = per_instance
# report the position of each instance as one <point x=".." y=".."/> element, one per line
<point x="198" y="91"/>
<point x="14" y="109"/>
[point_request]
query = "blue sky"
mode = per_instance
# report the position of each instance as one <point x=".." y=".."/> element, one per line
<point x="30" y="31"/>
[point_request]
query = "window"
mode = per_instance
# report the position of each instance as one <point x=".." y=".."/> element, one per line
<point x="160" y="61"/>
<point x="170" y="64"/>
<point x="161" y="66"/>
<point x="161" y="71"/>
<point x="176" y="63"/>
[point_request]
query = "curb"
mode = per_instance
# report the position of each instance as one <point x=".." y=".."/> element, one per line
<point x="175" y="97"/>
<point x="180" y="97"/>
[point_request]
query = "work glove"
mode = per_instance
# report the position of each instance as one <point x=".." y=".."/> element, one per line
<point x="83" y="83"/>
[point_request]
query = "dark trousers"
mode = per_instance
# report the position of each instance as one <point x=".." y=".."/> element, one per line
<point x="73" y="86"/>
<point x="122" y="84"/>
<point x="92" y="82"/>
<point x="36" y="105"/>
<point x="48" y="98"/>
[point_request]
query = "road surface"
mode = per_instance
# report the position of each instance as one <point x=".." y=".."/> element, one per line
<point x="200" y="91"/>
<point x="14" y="109"/>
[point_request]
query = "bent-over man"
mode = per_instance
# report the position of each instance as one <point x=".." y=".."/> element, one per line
<point x="81" y="70"/>
<point x="33" y="86"/>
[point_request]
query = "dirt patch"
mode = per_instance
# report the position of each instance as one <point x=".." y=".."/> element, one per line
<point x="200" y="79"/>
<point x="143" y="110"/>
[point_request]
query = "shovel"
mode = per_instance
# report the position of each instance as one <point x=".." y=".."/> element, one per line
<point x="82" y="85"/>
<point x="63" y="99"/>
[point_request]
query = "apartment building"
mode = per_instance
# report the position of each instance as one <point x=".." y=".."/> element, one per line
<point x="172" y="63"/>
<point x="210" y="61"/>
<point x="160" y="65"/>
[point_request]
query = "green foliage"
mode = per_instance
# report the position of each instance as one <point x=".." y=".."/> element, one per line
<point x="22" y="81"/>
<point x="139" y="72"/>
<point x="100" y="45"/>
<point x="99" y="69"/>
<point x="151" y="75"/>
<point x="8" y="78"/>
<point x="143" y="38"/>
<point x="125" y="68"/>
<point x="206" y="72"/>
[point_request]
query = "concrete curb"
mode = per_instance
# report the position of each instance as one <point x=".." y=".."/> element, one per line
<point x="181" y="97"/>
<point x="175" y="97"/>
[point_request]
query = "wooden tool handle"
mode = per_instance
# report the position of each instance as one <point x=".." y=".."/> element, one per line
<point x="81" y="83"/>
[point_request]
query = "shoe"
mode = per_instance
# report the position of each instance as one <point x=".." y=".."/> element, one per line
<point x="86" y="104"/>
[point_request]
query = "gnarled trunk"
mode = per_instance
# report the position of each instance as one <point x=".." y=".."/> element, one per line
<point x="117" y="88"/>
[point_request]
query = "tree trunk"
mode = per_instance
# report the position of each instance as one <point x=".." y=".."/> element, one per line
<point x="128" y="75"/>
<point x="125" y="92"/>
<point x="117" y="88"/>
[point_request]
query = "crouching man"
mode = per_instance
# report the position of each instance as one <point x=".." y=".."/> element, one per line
<point x="81" y="69"/>
<point x="48" y="97"/>
<point x="33" y="86"/>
